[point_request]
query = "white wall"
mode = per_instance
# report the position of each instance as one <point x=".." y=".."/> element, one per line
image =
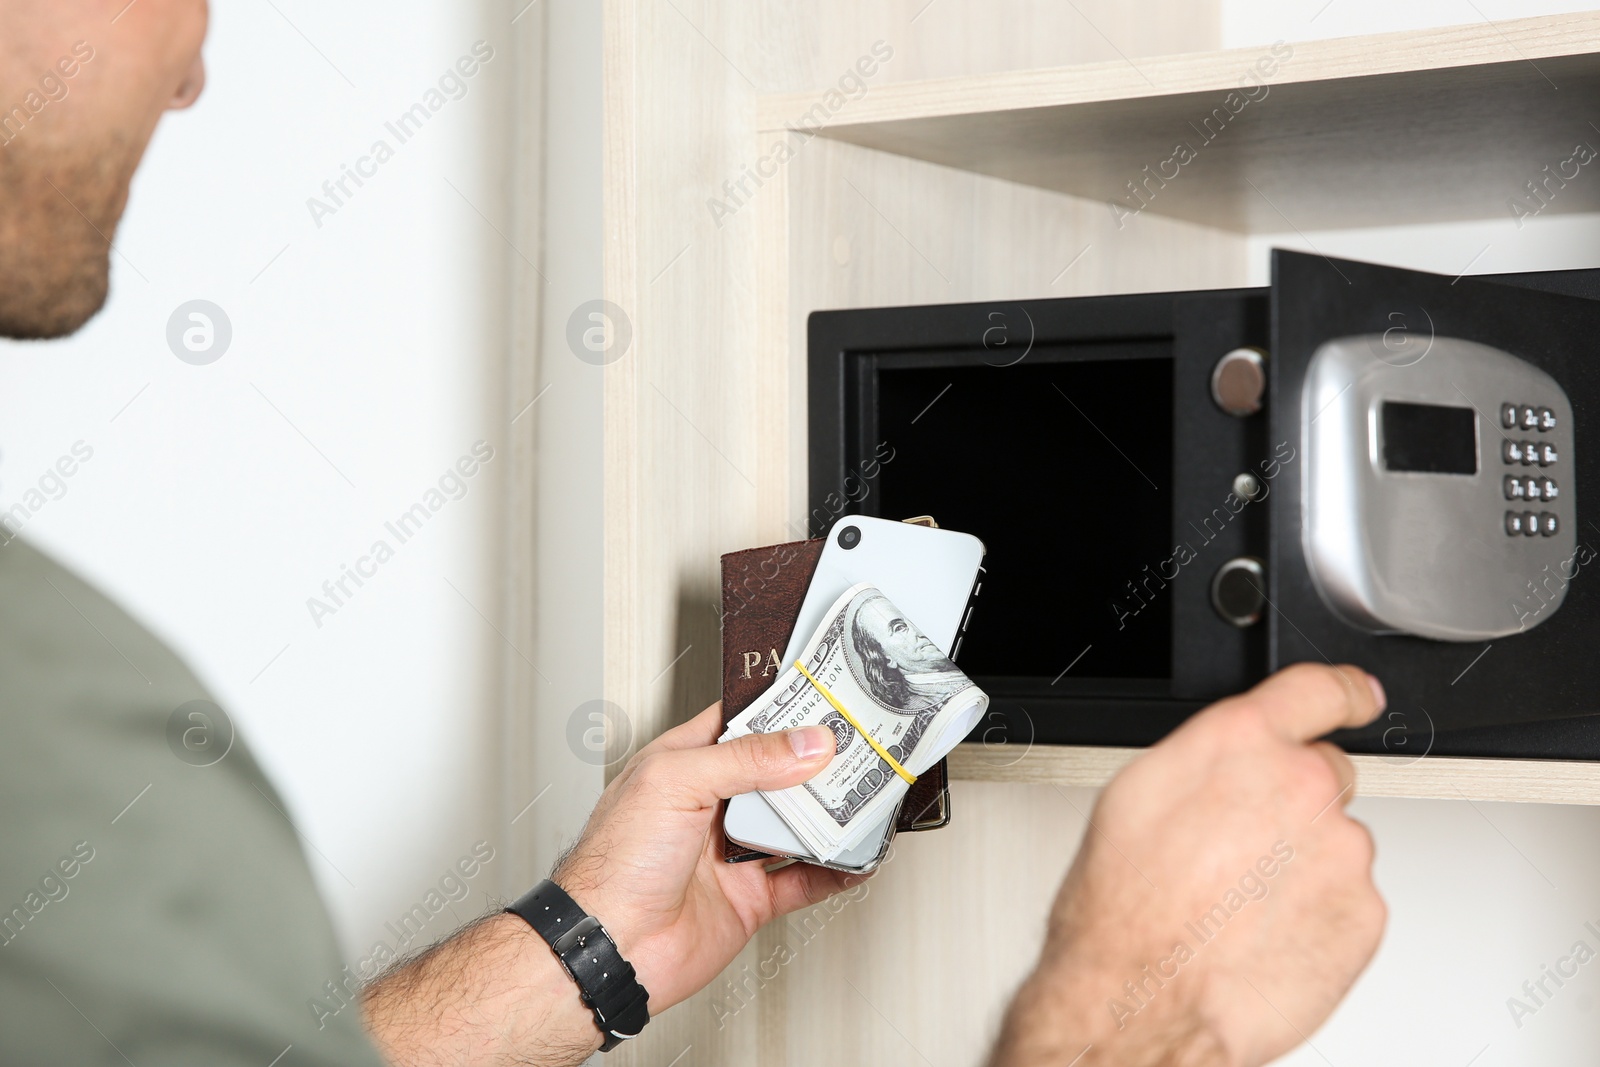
<point x="365" y="359"/>
<point x="1481" y="896"/>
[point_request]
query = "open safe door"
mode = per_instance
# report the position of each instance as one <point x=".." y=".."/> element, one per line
<point x="1434" y="524"/>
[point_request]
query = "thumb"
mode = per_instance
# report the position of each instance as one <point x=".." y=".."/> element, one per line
<point x="699" y="777"/>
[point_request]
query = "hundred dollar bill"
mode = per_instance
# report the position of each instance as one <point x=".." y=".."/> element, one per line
<point x="902" y="690"/>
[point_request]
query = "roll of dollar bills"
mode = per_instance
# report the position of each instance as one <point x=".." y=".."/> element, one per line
<point x="899" y="689"/>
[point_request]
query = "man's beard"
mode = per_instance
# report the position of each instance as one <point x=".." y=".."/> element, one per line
<point x="58" y="216"/>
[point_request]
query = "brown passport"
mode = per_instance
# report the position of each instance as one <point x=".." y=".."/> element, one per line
<point x="762" y="591"/>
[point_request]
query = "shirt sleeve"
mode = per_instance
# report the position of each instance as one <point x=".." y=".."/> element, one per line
<point x="155" y="902"/>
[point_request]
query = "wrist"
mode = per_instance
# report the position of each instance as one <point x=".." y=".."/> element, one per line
<point x="622" y="921"/>
<point x="1073" y="1011"/>
<point x="604" y="979"/>
<point x="1057" y="1016"/>
<point x="558" y="1023"/>
<point x="494" y="994"/>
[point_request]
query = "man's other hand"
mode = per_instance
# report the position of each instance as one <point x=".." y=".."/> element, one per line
<point x="649" y="864"/>
<point x="1222" y="901"/>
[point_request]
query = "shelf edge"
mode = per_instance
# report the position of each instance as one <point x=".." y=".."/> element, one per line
<point x="1431" y="778"/>
<point x="1472" y="44"/>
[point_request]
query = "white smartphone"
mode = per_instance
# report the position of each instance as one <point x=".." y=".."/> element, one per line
<point x="928" y="573"/>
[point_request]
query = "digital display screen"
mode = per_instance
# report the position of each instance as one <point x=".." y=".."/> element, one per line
<point x="1063" y="468"/>
<point x="1429" y="438"/>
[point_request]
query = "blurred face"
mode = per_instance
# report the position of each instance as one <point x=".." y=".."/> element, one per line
<point x="82" y="85"/>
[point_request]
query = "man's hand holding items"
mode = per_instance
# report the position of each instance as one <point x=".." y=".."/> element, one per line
<point x="648" y="866"/>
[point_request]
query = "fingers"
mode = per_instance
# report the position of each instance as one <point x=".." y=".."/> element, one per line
<point x="699" y="777"/>
<point x="1343" y="769"/>
<point x="803" y="884"/>
<point x="1308" y="700"/>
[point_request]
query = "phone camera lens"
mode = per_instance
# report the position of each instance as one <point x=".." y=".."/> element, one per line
<point x="849" y="537"/>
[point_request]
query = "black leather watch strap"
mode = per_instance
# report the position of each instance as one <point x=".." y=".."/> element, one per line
<point x="606" y="982"/>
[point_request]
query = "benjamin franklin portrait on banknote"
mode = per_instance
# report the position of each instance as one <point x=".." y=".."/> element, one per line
<point x="892" y="660"/>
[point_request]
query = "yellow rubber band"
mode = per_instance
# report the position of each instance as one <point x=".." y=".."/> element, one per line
<point x="851" y="719"/>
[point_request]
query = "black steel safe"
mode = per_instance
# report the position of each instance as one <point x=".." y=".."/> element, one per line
<point x="1157" y="537"/>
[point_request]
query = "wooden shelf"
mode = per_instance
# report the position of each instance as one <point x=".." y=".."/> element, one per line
<point x="1525" y="781"/>
<point x="1421" y="126"/>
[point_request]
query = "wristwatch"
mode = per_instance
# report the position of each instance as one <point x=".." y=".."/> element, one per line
<point x="606" y="982"/>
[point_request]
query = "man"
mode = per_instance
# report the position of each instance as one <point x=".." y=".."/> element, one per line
<point x="181" y="926"/>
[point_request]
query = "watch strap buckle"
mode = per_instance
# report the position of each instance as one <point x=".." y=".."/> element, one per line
<point x="575" y="937"/>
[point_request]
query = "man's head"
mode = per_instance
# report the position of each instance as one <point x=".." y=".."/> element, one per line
<point x="82" y="86"/>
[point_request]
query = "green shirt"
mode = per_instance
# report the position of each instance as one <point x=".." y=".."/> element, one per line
<point x="154" y="909"/>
